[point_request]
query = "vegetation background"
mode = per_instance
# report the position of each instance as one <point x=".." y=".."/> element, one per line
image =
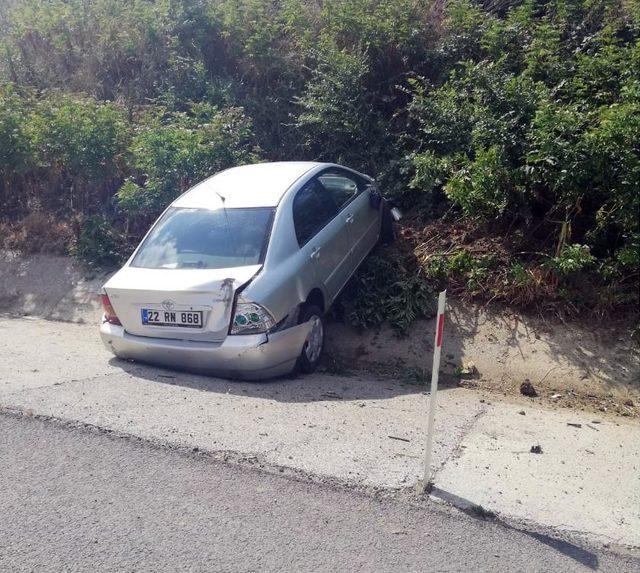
<point x="508" y="130"/>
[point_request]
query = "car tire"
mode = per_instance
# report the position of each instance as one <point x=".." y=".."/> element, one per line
<point x="312" y="350"/>
<point x="387" y="231"/>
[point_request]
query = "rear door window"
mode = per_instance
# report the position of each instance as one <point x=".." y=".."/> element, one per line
<point x="313" y="208"/>
<point x="341" y="187"/>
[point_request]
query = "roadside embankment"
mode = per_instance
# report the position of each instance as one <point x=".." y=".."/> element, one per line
<point x="569" y="365"/>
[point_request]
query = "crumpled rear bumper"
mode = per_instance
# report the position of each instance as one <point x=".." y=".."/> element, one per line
<point x="248" y="357"/>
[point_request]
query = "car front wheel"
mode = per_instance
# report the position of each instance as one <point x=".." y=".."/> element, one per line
<point x="312" y="349"/>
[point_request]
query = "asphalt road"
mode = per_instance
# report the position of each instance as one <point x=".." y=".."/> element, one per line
<point x="79" y="500"/>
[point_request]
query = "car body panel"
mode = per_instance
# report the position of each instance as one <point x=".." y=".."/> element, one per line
<point x="364" y="228"/>
<point x="208" y="290"/>
<point x="266" y="182"/>
<point x="330" y="255"/>
<point x="248" y="357"/>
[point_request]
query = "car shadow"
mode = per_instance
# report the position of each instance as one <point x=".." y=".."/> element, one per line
<point x="317" y="387"/>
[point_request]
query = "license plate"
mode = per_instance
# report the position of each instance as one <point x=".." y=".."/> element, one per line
<point x="184" y="318"/>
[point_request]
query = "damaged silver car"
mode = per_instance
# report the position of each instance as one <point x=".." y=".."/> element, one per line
<point x="235" y="276"/>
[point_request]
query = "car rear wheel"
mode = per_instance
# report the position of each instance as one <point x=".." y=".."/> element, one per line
<point x="312" y="349"/>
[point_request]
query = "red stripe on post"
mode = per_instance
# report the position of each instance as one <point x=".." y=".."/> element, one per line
<point x="440" y="330"/>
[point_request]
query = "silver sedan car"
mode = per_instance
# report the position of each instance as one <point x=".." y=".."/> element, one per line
<point x="235" y="276"/>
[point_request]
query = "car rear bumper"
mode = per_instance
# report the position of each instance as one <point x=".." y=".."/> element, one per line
<point x="249" y="357"/>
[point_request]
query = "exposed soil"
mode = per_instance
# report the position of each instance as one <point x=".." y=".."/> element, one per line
<point x="568" y="365"/>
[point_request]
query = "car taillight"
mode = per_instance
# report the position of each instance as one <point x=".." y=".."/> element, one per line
<point x="250" y="318"/>
<point x="109" y="314"/>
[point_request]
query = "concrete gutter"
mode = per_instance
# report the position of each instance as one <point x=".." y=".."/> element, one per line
<point x="586" y="480"/>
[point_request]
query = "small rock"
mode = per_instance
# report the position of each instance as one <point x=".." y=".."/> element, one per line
<point x="629" y="403"/>
<point x="536" y="449"/>
<point x="556" y="397"/>
<point x="527" y="389"/>
<point x="574" y="424"/>
<point x="522" y="413"/>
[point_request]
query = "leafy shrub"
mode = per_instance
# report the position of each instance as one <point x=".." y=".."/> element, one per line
<point x="78" y="149"/>
<point x="99" y="245"/>
<point x="518" y="119"/>
<point x="338" y="121"/>
<point x="385" y="290"/>
<point x="557" y="160"/>
<point x="15" y="148"/>
<point x="176" y="150"/>
<point x="518" y="275"/>
<point x="430" y="172"/>
<point x="14" y="145"/>
<point x="83" y="137"/>
<point x="573" y="259"/>
<point x="481" y="188"/>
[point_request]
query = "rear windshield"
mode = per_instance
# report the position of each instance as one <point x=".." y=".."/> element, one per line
<point x="204" y="239"/>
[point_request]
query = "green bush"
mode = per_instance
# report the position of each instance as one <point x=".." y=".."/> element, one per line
<point x="338" y="121"/>
<point x="82" y="137"/>
<point x="385" y="290"/>
<point x="173" y="151"/>
<point x="15" y="149"/>
<point x="518" y="119"/>
<point x="572" y="259"/>
<point x="99" y="244"/>
<point x="482" y="187"/>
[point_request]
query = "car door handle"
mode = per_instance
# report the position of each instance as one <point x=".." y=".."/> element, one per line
<point x="315" y="253"/>
<point x="349" y="218"/>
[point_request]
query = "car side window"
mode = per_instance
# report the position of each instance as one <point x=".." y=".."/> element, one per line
<point x="312" y="210"/>
<point x="341" y="187"/>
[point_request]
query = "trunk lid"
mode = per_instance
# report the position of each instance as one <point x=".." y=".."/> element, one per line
<point x="211" y="291"/>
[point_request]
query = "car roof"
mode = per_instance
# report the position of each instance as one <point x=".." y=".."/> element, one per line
<point x="253" y="185"/>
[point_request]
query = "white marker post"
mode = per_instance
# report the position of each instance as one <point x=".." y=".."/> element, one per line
<point x="437" y="348"/>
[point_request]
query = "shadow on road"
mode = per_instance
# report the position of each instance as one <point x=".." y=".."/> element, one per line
<point x="575" y="552"/>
